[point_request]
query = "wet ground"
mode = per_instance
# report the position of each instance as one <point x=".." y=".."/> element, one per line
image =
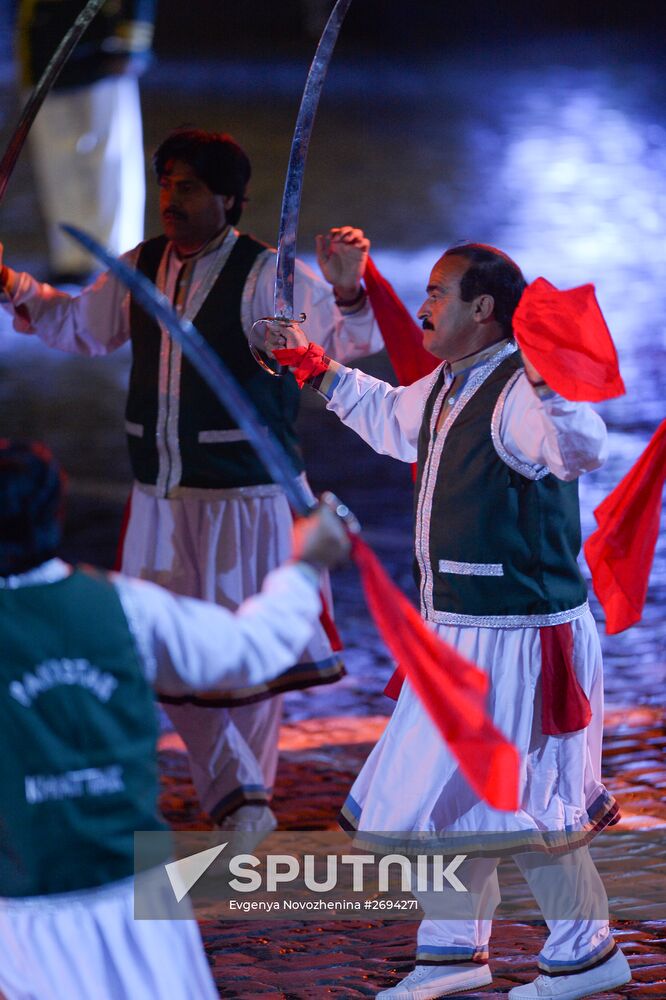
<point x="554" y="150"/>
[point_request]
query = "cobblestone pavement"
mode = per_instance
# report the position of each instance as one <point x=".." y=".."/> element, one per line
<point x="307" y="961"/>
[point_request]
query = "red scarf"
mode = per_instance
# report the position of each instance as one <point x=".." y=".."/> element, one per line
<point x="620" y="552"/>
<point x="451" y="689"/>
<point x="564" y="335"/>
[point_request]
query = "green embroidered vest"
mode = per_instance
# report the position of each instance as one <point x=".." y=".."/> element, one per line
<point x="494" y="546"/>
<point x="212" y="452"/>
<point x="78" y="763"/>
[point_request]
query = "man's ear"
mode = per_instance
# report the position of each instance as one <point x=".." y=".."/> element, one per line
<point x="229" y="200"/>
<point x="484" y="307"/>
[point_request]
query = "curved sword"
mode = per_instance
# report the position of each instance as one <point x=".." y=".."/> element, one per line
<point x="212" y="370"/>
<point x="36" y="99"/>
<point x="283" y="301"/>
<point x="283" y="298"/>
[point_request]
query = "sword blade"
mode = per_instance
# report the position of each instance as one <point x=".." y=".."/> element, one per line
<point x="36" y="99"/>
<point x="212" y="370"/>
<point x="283" y="301"/>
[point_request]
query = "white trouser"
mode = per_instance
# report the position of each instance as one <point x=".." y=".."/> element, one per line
<point x="87" y="150"/>
<point x="218" y="550"/>
<point x="233" y="752"/>
<point x="570" y="895"/>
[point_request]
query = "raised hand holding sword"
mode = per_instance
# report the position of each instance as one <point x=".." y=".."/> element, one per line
<point x="342" y="254"/>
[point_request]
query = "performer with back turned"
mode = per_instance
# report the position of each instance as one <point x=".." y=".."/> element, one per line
<point x="205" y="518"/>
<point x="78" y="769"/>
<point x="498" y="455"/>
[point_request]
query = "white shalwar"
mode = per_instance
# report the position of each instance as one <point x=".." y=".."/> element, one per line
<point x="411" y="782"/>
<point x="217" y="545"/>
<point x="87" y="147"/>
<point x="87" y="944"/>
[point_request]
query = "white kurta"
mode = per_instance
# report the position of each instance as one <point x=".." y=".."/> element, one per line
<point x="88" y="944"/>
<point x="411" y="781"/>
<point x="560" y="774"/>
<point x="213" y="544"/>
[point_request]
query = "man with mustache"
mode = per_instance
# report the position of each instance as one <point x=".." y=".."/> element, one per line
<point x="206" y="520"/>
<point x="498" y="456"/>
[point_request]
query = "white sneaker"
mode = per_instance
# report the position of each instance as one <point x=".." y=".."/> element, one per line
<point x="614" y="972"/>
<point x="429" y="981"/>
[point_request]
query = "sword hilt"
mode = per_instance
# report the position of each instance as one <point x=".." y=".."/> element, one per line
<point x="334" y="503"/>
<point x="254" y="351"/>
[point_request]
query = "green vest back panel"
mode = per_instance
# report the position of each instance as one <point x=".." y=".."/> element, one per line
<point x="486" y="514"/>
<point x="78" y="767"/>
<point x="222" y="465"/>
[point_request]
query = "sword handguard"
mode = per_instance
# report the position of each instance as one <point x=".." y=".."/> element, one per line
<point x="256" y="354"/>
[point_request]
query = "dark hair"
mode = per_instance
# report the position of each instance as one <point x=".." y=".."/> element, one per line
<point x="31" y="506"/>
<point x="491" y="272"/>
<point x="216" y="159"/>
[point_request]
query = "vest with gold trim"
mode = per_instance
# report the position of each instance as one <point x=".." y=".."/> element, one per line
<point x="78" y="734"/>
<point x="207" y="464"/>
<point x="492" y="543"/>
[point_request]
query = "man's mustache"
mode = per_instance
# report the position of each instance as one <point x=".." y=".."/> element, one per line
<point x="173" y="213"/>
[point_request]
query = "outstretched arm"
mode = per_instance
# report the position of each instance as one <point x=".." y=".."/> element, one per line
<point x="92" y="323"/>
<point x="386" y="417"/>
<point x="188" y="644"/>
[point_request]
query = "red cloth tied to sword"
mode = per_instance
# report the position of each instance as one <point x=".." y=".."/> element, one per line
<point x="564" y="335"/>
<point x="451" y="689"/>
<point x="307" y="362"/>
<point x="620" y="552"/>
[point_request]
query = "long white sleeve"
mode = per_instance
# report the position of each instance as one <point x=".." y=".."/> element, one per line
<point x="551" y="432"/>
<point x="187" y="644"/>
<point x="342" y="336"/>
<point x="386" y="417"/>
<point x="92" y="323"/>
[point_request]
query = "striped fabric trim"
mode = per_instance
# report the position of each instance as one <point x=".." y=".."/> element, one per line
<point x="602" y="813"/>
<point x="599" y="956"/>
<point x="326" y="383"/>
<point x="303" y="675"/>
<point x="508" y="621"/>
<point x="349" y="814"/>
<point x="222" y="437"/>
<point x="470" y="569"/>
<point x="241" y="796"/>
<point x="529" y="471"/>
<point x="433" y="955"/>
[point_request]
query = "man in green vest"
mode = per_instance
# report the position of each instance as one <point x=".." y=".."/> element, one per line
<point x="497" y="529"/>
<point x="206" y="520"/>
<point x="80" y="654"/>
